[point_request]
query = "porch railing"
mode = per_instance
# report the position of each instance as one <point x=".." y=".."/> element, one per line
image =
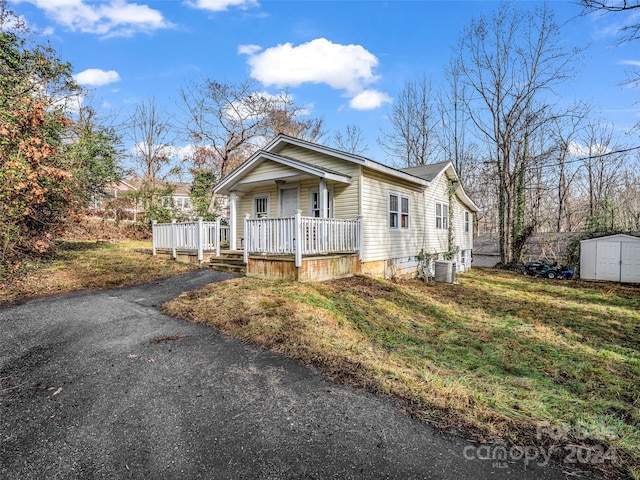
<point x="197" y="236"/>
<point x="300" y="236"/>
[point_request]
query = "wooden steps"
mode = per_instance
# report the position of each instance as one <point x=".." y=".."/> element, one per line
<point x="232" y="262"/>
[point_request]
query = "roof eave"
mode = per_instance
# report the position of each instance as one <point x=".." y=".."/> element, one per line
<point x="281" y="139"/>
<point x="229" y="182"/>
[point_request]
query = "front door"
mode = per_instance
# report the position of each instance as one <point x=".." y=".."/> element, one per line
<point x="288" y="202"/>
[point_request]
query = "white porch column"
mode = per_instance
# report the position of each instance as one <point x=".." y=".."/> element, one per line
<point x="232" y="221"/>
<point x="217" y="236"/>
<point x="154" y="235"/>
<point x="247" y="238"/>
<point x="200" y="239"/>
<point x="174" y="238"/>
<point x="359" y="241"/>
<point x="323" y="199"/>
<point x="298" y="238"/>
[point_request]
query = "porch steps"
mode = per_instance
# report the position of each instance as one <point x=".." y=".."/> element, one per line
<point x="231" y="262"/>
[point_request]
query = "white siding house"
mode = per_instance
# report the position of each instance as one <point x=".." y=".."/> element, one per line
<point x="399" y="213"/>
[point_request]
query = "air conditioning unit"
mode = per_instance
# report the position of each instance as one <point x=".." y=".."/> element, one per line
<point x="445" y="271"/>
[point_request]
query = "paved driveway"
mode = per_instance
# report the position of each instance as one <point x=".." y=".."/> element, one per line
<point x="103" y="385"/>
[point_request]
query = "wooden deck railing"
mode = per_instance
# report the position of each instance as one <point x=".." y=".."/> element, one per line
<point x="197" y="236"/>
<point x="300" y="236"/>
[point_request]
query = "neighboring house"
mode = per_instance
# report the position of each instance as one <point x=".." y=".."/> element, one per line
<point x="397" y="212"/>
<point x="179" y="201"/>
<point x="551" y="246"/>
<point x="122" y="189"/>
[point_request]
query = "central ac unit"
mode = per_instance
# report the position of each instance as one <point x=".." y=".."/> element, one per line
<point x="445" y="271"/>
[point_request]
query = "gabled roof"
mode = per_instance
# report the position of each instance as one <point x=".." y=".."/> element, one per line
<point x="420" y="176"/>
<point x="429" y="171"/>
<point x="229" y="182"/>
<point x="432" y="171"/>
<point x="180" y="188"/>
<point x="282" y="140"/>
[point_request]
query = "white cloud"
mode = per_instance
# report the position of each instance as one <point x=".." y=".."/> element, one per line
<point x="343" y="67"/>
<point x="369" y="100"/>
<point x="578" y="150"/>
<point x="70" y="103"/>
<point x="107" y="18"/>
<point x="248" y="49"/>
<point x="222" y="5"/>
<point x="183" y="152"/>
<point x="94" y="77"/>
<point x="347" y="67"/>
<point x="633" y="63"/>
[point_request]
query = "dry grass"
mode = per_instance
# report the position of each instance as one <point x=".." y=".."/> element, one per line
<point x="83" y="265"/>
<point x="493" y="356"/>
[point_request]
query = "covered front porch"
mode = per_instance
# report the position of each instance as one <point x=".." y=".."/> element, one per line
<point x="302" y="248"/>
<point x="276" y="187"/>
<point x="281" y="215"/>
<point x="292" y="248"/>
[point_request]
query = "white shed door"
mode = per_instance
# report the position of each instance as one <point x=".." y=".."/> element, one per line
<point x="608" y="261"/>
<point x="630" y="264"/>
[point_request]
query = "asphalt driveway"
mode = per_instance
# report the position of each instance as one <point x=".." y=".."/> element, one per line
<point x="103" y="385"/>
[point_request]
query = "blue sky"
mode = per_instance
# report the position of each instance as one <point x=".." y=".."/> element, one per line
<point x="344" y="61"/>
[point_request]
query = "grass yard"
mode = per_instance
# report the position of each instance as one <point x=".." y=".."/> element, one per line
<point x="82" y="265"/>
<point x="495" y="356"/>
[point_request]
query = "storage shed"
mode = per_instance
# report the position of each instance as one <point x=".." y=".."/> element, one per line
<point x="615" y="258"/>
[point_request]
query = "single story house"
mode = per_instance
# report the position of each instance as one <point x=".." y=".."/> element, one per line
<point x="303" y="210"/>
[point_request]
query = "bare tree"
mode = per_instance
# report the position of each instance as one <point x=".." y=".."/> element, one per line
<point x="233" y="120"/>
<point x="600" y="167"/>
<point x="509" y="62"/>
<point x="454" y="120"/>
<point x="563" y="134"/>
<point x="226" y="118"/>
<point x="286" y="118"/>
<point x="152" y="134"/>
<point x="411" y="139"/>
<point x="629" y="197"/>
<point x="630" y="31"/>
<point x="351" y="140"/>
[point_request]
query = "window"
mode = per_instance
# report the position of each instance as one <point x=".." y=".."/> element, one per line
<point x="442" y="216"/>
<point x="466" y="222"/>
<point x="314" y="204"/>
<point x="183" y="203"/>
<point x="398" y="211"/>
<point x="261" y="206"/>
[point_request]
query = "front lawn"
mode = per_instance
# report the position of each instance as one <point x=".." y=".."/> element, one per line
<point x="81" y="265"/>
<point x="501" y="357"/>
